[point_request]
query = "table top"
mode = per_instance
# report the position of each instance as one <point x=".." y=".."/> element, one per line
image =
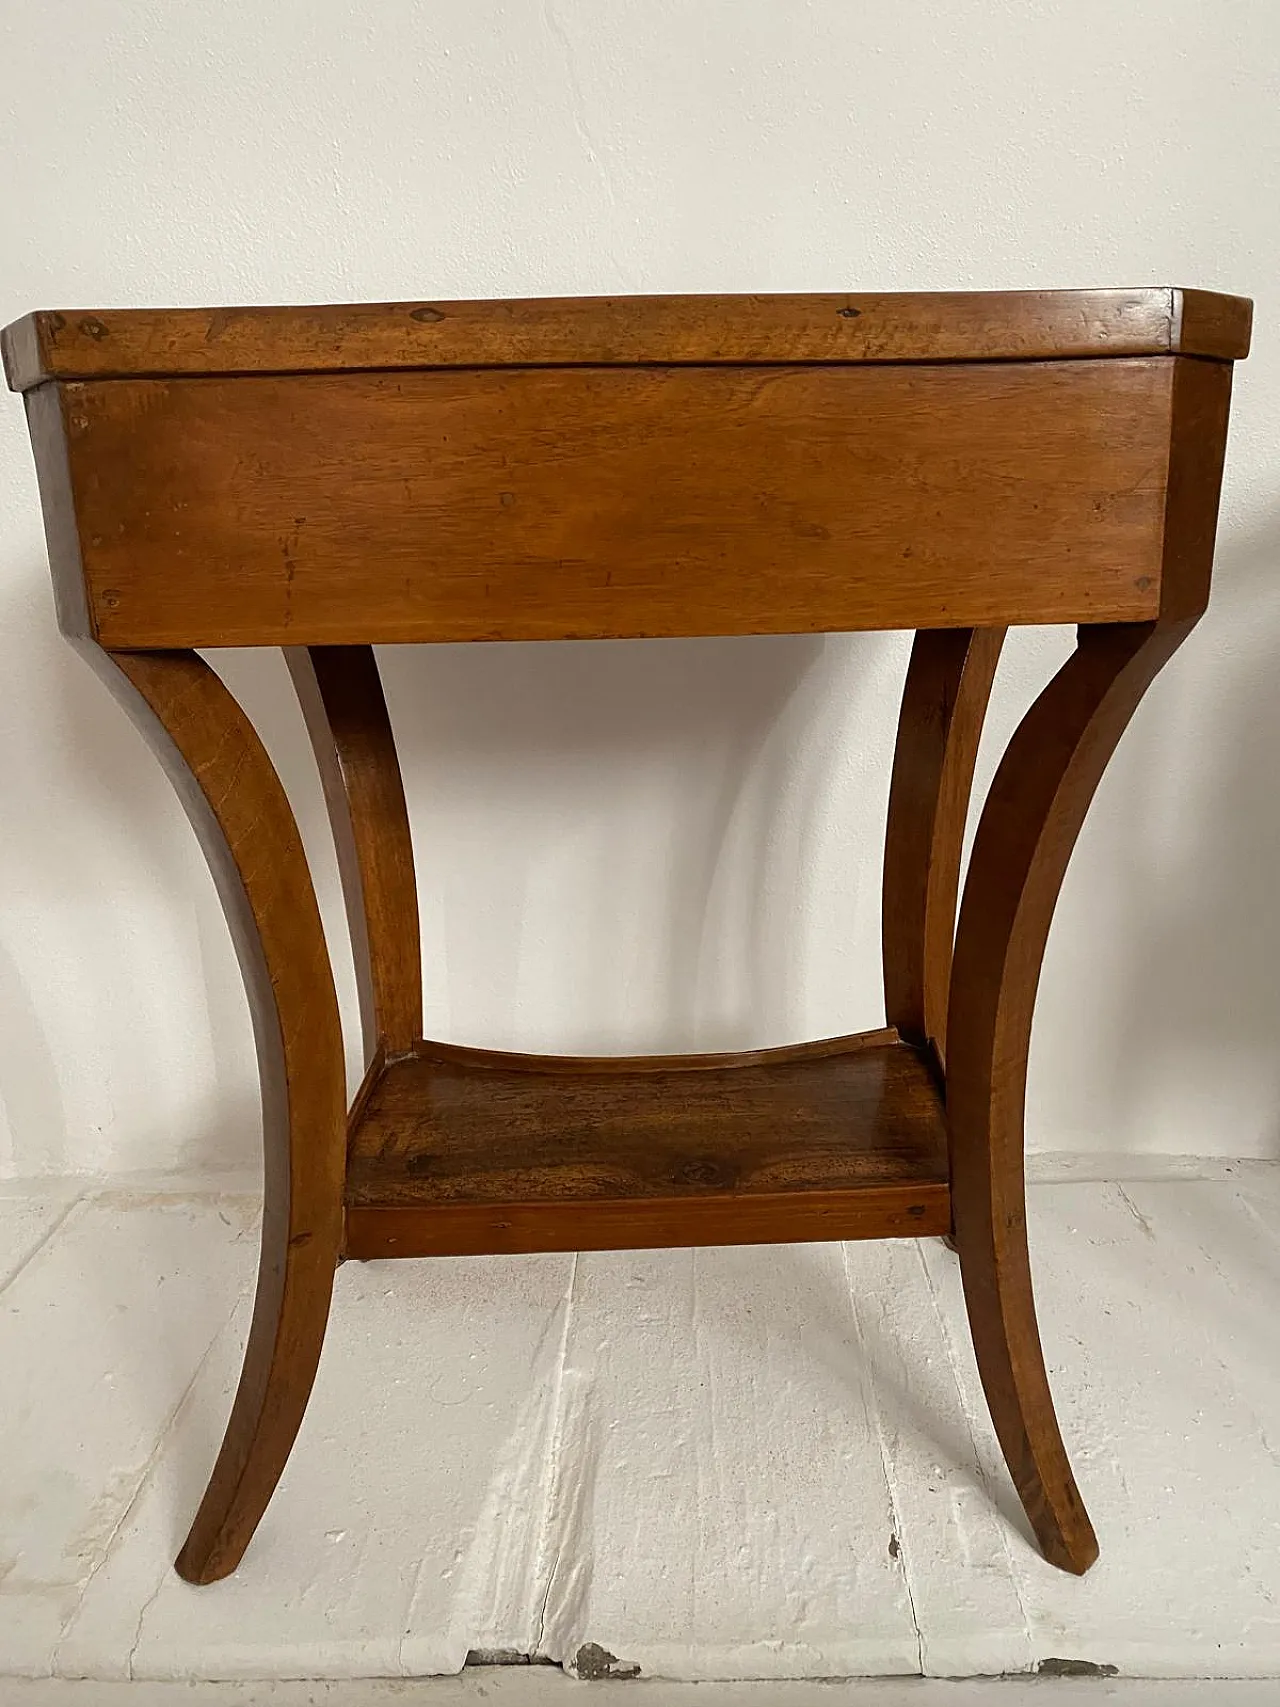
<point x="87" y="344"/>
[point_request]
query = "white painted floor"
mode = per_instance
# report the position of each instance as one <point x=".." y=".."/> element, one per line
<point x="547" y="1687"/>
<point x="768" y="1463"/>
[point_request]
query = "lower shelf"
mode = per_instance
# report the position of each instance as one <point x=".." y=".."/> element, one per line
<point x="464" y="1152"/>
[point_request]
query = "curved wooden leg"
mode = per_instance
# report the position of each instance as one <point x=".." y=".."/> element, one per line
<point x="340" y="692"/>
<point x="1028" y="827"/>
<point x="240" y="812"/>
<point x="944" y="703"/>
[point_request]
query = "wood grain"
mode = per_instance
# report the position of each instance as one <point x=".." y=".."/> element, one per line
<point x="944" y="704"/>
<point x="1206" y="323"/>
<point x="587" y="502"/>
<point x="540" y="1158"/>
<point x="1028" y="828"/>
<point x="46" y="423"/>
<point x="340" y="692"/>
<point x="243" y="820"/>
<point x="818" y="1048"/>
<point x="655" y="1223"/>
<point x="956" y="326"/>
<point x="1198" y="439"/>
<point x="587" y="469"/>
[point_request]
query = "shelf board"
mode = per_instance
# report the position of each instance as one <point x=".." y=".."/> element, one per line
<point x="461" y="1152"/>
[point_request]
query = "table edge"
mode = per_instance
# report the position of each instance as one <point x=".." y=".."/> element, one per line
<point x="846" y="328"/>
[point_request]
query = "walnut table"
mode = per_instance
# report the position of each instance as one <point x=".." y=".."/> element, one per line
<point x="330" y="479"/>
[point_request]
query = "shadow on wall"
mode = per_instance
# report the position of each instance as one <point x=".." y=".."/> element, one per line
<point x="1194" y="1047"/>
<point x="613" y="838"/>
<point x="652" y="846"/>
<point x="111" y="926"/>
<point x="31" y="1095"/>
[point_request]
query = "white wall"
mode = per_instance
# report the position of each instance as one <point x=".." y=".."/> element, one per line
<point x="625" y="845"/>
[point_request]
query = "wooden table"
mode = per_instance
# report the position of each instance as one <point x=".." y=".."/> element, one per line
<point x="330" y="479"/>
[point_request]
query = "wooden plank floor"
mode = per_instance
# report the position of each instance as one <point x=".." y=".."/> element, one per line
<point x="545" y="1686"/>
<point x="747" y="1462"/>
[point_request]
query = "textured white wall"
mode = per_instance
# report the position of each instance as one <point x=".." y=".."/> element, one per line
<point x="664" y="845"/>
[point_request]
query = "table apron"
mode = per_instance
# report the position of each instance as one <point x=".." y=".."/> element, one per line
<point x="607" y="502"/>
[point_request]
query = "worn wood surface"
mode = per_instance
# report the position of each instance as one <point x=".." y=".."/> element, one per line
<point x="452" y="1154"/>
<point x="651" y="1223"/>
<point x="891" y="472"/>
<point x="1207" y="323"/>
<point x="1028" y="828"/>
<point x="581" y="503"/>
<point x="944" y="704"/>
<point x="956" y="326"/>
<point x="817" y="1049"/>
<point x="1198" y="437"/>
<point x="239" y="810"/>
<point x="340" y="693"/>
<point x="46" y="423"/>
<point x="448" y="1128"/>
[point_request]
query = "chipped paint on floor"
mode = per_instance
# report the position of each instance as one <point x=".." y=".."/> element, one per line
<point x="546" y="1687"/>
<point x="750" y="1463"/>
